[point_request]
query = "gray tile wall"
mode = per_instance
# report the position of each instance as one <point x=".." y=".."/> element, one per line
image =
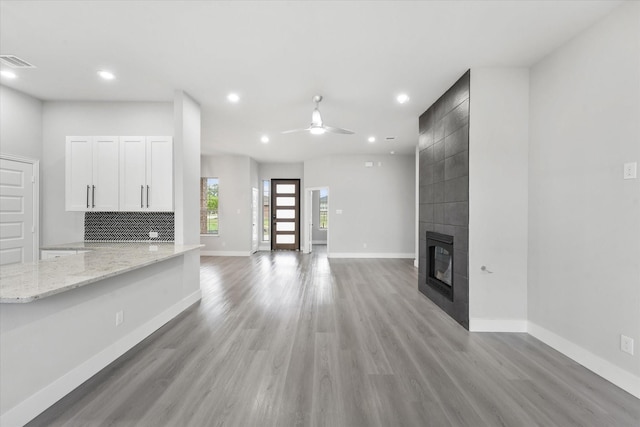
<point x="444" y="190"/>
<point x="128" y="226"/>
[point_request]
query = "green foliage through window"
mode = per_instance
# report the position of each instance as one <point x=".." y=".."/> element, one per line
<point x="266" y="219"/>
<point x="209" y="198"/>
<point x="324" y="209"/>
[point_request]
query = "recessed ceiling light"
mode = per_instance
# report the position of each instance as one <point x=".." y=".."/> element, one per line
<point x="402" y="98"/>
<point x="8" y="74"/>
<point x="233" y="97"/>
<point x="372" y="139"/>
<point x="392" y="152"/>
<point x="107" y="75"/>
<point x="264" y="139"/>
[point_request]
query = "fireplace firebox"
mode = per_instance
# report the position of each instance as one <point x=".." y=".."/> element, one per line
<point x="440" y="263"/>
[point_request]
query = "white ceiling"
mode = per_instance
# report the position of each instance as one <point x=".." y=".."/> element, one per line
<point x="277" y="55"/>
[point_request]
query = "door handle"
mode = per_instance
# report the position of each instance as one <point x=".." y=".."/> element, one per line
<point x="87" y="197"/>
<point x="141" y="196"/>
<point x="147" y="196"/>
<point x="93" y="197"/>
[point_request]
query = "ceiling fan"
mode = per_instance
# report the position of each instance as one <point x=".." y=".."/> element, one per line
<point x="317" y="127"/>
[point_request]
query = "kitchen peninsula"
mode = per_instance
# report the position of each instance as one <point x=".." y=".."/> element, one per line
<point x="64" y="319"/>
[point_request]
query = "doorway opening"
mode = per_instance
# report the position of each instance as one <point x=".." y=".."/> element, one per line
<point x="316" y="219"/>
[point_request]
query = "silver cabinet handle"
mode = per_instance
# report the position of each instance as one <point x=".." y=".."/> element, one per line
<point x="147" y="196"/>
<point x="93" y="197"/>
<point x="87" y="197"/>
<point x="141" y="196"/>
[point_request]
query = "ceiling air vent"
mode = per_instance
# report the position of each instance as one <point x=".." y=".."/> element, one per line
<point x="390" y="138"/>
<point x="15" y="62"/>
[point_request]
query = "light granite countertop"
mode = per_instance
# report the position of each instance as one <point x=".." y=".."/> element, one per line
<point x="22" y="283"/>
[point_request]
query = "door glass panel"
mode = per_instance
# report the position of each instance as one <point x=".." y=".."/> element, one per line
<point x="285" y="189"/>
<point x="285" y="201"/>
<point x="286" y="226"/>
<point x="285" y="213"/>
<point x="285" y="238"/>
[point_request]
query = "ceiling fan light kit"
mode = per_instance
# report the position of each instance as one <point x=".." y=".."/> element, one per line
<point x="317" y="127"/>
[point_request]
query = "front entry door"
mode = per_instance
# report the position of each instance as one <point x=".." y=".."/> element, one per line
<point x="285" y="214"/>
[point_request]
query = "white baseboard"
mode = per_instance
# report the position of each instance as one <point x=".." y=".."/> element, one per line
<point x="31" y="407"/>
<point x="610" y="372"/>
<point x="224" y="253"/>
<point x="369" y="255"/>
<point x="497" y="325"/>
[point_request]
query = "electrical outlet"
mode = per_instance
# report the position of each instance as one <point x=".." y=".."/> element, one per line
<point x="153" y="234"/>
<point x="626" y="344"/>
<point x="630" y="170"/>
<point x="119" y="317"/>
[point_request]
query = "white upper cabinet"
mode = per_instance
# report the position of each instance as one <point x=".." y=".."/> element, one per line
<point x="146" y="173"/>
<point x="133" y="154"/>
<point x="91" y="173"/>
<point x="160" y="173"/>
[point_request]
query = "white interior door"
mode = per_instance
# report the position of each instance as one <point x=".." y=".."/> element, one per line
<point x="255" y="220"/>
<point x="18" y="214"/>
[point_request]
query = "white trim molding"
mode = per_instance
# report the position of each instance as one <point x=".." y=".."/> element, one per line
<point x="497" y="325"/>
<point x="370" y="255"/>
<point x="607" y="370"/>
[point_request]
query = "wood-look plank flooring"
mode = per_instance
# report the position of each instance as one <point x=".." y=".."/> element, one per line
<point x="287" y="339"/>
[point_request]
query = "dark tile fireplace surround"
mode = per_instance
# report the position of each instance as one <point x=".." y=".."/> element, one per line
<point x="444" y="201"/>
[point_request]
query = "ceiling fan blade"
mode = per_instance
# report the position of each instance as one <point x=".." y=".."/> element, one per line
<point x="296" y="130"/>
<point x="338" y="130"/>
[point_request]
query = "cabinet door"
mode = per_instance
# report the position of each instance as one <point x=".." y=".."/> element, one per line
<point x="78" y="173"/>
<point x="159" y="173"/>
<point x="105" y="188"/>
<point x="132" y="173"/>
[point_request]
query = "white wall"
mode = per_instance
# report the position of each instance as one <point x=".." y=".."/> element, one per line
<point x="234" y="204"/>
<point x="498" y="157"/>
<point x="21" y="119"/>
<point x="186" y="152"/>
<point x="377" y="203"/>
<point x="584" y="219"/>
<point x="62" y="118"/>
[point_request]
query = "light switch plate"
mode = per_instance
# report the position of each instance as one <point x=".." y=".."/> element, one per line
<point x="631" y="170"/>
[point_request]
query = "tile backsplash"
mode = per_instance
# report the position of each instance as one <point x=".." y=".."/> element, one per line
<point x="128" y="226"/>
